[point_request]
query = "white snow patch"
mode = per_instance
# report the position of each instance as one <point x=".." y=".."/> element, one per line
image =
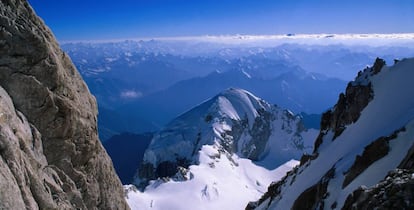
<point x="217" y="184"/>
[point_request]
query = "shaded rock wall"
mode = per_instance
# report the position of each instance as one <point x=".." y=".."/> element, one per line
<point x="350" y="104"/>
<point x="396" y="191"/>
<point x="58" y="150"/>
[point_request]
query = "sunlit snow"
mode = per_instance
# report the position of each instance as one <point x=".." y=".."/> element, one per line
<point x="217" y="184"/>
<point x="391" y="109"/>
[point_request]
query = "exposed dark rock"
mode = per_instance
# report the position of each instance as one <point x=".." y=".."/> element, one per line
<point x="315" y="195"/>
<point x="238" y="127"/>
<point x="272" y="191"/>
<point x="168" y="168"/>
<point x="350" y="104"/>
<point x="147" y="171"/>
<point x="378" y="64"/>
<point x="373" y="152"/>
<point x="183" y="174"/>
<point x="396" y="191"/>
<point x="54" y="159"/>
<point x="260" y="134"/>
<point x="396" y="61"/>
<point x="208" y="118"/>
<point x="305" y="158"/>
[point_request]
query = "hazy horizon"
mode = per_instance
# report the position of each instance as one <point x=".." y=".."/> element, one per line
<point x="127" y="19"/>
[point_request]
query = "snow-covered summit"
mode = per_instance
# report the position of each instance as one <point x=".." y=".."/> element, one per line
<point x="368" y="133"/>
<point x="238" y="123"/>
<point x="232" y="142"/>
<point x="234" y="103"/>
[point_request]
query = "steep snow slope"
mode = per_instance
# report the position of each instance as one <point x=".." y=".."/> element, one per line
<point x="218" y="182"/>
<point x="232" y="143"/>
<point x="368" y="133"/>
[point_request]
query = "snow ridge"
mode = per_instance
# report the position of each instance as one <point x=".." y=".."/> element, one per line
<point x="387" y="121"/>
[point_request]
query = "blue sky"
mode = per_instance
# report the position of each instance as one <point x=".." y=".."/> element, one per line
<point x="110" y="19"/>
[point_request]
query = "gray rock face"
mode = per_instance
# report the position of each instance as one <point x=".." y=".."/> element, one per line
<point x="51" y="154"/>
<point x="27" y="179"/>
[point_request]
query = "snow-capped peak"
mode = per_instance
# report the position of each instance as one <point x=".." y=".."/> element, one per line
<point x="234" y="130"/>
<point x="237" y="104"/>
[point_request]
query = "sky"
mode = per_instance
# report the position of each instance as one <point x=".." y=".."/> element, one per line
<point x="121" y="19"/>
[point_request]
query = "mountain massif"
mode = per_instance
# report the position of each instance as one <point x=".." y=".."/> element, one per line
<point x="51" y="156"/>
<point x="233" y="139"/>
<point x="363" y="156"/>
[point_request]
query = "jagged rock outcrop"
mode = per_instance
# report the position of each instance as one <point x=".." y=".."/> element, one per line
<point x="350" y="104"/>
<point x="396" y="191"/>
<point x="51" y="157"/>
<point x="373" y="152"/>
<point x="367" y="134"/>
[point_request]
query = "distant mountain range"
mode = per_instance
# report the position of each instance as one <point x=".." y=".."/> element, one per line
<point x="295" y="89"/>
<point x="142" y="85"/>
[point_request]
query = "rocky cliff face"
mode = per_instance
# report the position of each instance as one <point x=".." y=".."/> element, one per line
<point x="350" y="104"/>
<point x="51" y="154"/>
<point x="363" y="156"/>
